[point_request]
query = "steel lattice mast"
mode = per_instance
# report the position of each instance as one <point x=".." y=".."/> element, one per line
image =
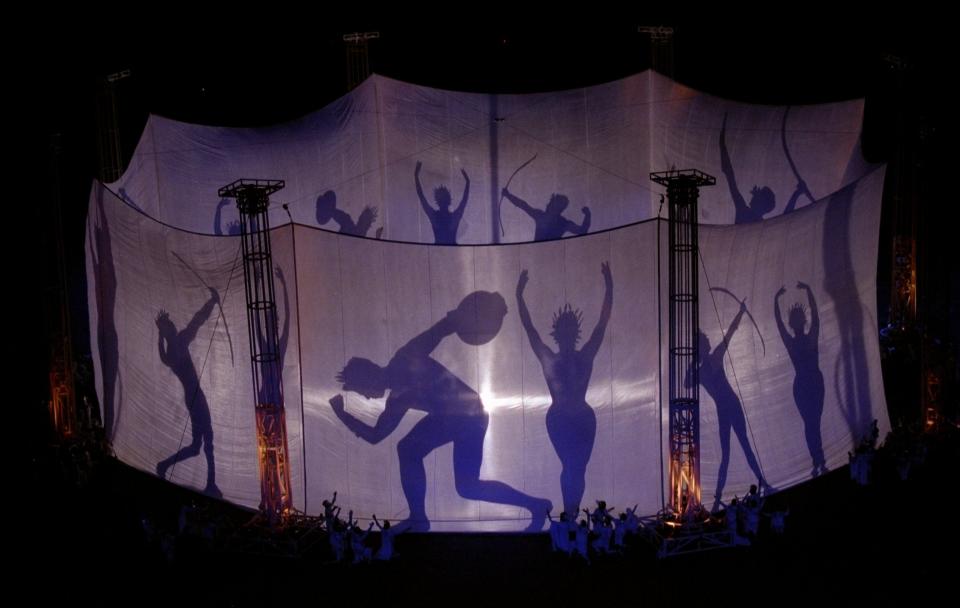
<point x="252" y="202"/>
<point x="683" y="190"/>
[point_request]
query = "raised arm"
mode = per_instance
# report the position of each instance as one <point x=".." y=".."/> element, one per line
<point x="727" y="167"/>
<point x="519" y="203"/>
<point x="423" y="344"/>
<point x="458" y="212"/>
<point x="722" y="347"/>
<point x="386" y="423"/>
<point x="778" y="316"/>
<point x="343" y="219"/>
<point x="367" y="217"/>
<point x="814" y="314"/>
<point x="792" y="203"/>
<point x="593" y="344"/>
<point x="217" y="222"/>
<point x="539" y="348"/>
<point x="423" y="200"/>
<point x="190" y="331"/>
<point x="582" y="228"/>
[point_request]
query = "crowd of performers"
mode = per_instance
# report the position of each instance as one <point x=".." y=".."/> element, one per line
<point x="350" y="543"/>
<point x="603" y="532"/>
<point x="584" y="536"/>
<point x="905" y="448"/>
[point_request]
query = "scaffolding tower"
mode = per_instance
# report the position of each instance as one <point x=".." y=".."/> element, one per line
<point x="253" y="199"/>
<point x="358" y="56"/>
<point x="683" y="189"/>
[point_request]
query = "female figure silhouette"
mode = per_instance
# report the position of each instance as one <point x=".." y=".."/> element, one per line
<point x="808" y="389"/>
<point x="571" y="423"/>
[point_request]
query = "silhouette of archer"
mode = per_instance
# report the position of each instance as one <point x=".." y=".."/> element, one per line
<point x="729" y="409"/>
<point x="174" y="348"/>
<point x="550" y="223"/>
<point x="762" y="199"/>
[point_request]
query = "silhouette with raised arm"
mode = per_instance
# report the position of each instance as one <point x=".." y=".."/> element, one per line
<point x="571" y="423"/>
<point x="327" y="210"/>
<point x="455" y="412"/>
<point x="808" y="388"/>
<point x="443" y="221"/>
<point x="174" y="347"/>
<point x="550" y="223"/>
<point x="232" y="228"/>
<point x="729" y="409"/>
<point x="387" y="534"/>
<point x="762" y="199"/>
<point x="105" y="279"/>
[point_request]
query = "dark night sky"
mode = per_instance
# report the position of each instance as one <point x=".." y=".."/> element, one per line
<point x="224" y="73"/>
<point x="221" y="73"/>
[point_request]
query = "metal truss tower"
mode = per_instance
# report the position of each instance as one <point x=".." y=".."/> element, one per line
<point x="276" y="499"/>
<point x="358" y="56"/>
<point x="683" y="189"/>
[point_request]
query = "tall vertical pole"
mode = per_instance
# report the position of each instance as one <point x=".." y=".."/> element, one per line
<point x="661" y="47"/>
<point x="683" y="189"/>
<point x="252" y="196"/>
<point x="63" y="408"/>
<point x="358" y="56"/>
<point x="108" y="127"/>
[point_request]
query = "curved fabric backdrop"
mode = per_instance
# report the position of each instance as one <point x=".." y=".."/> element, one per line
<point x="355" y="161"/>
<point x="510" y="424"/>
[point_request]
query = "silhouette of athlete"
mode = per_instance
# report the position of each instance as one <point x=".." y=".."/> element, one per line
<point x="808" y="389"/>
<point x="327" y="210"/>
<point x="729" y="409"/>
<point x="443" y="221"/>
<point x="174" y="347"/>
<point x="455" y="414"/>
<point x="550" y="223"/>
<point x="762" y="199"/>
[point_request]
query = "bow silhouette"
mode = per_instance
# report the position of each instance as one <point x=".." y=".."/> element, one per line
<point x="752" y="320"/>
<point x="786" y="152"/>
<point x="219" y="305"/>
<point x="507" y="187"/>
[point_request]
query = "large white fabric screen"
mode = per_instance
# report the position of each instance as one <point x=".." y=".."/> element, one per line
<point x="788" y="399"/>
<point x="487" y="422"/>
<point x="378" y="297"/>
<point x="352" y="166"/>
<point x="172" y="362"/>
